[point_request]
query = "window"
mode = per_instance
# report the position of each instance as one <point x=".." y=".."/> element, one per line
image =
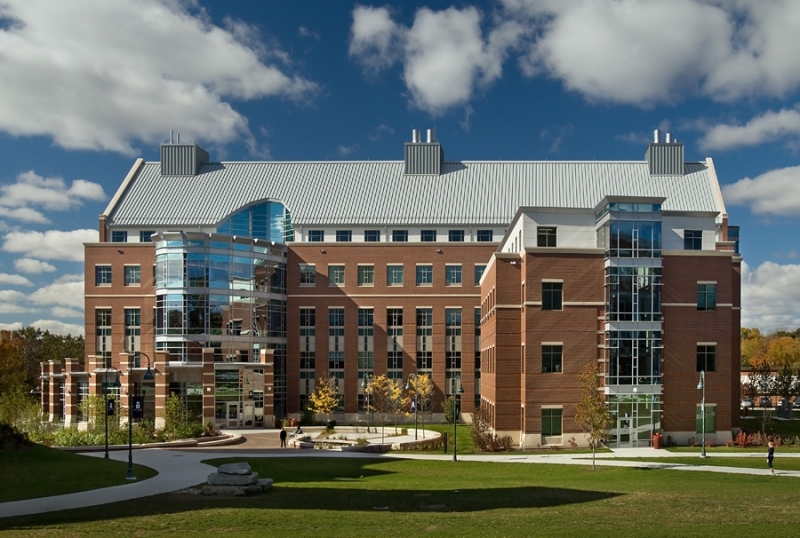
<point x="119" y="237"/>
<point x="551" y="421"/>
<point x="102" y="323"/>
<point x="428" y="236"/>
<point x="144" y="237"/>
<point x="455" y="236"/>
<point x="706" y="358"/>
<point x="394" y="275"/>
<point x="479" y="269"/>
<point x="452" y="275"/>
<point x="424" y="275"/>
<point x="344" y="236"/>
<point x="366" y="275"/>
<point x="372" y="236"/>
<point x="452" y="334"/>
<point x="706" y="297"/>
<point x="551" y="358"/>
<point x="102" y="275"/>
<point x="400" y="236"/>
<point x="133" y="275"/>
<point x="693" y="240"/>
<point x="551" y="295"/>
<point x="336" y="275"/>
<point x="316" y="236"/>
<point x="545" y="236"/>
<point x="308" y="275"/>
<point x="711" y="419"/>
<point x="424" y="338"/>
<point x="485" y="235"/>
<point x="133" y="319"/>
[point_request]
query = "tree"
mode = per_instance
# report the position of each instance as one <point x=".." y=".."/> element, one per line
<point x="12" y="372"/>
<point x="753" y="345"/>
<point x="422" y="391"/>
<point x="785" y="384"/>
<point x="783" y="351"/>
<point x="592" y="413"/>
<point x="384" y="393"/>
<point x="325" y="398"/>
<point x="761" y="378"/>
<point x="449" y="409"/>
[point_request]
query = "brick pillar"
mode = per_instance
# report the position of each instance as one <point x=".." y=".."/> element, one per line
<point x="267" y="359"/>
<point x="71" y="366"/>
<point x="161" y="385"/>
<point x="208" y="385"/>
<point x="44" y="399"/>
<point x="53" y="393"/>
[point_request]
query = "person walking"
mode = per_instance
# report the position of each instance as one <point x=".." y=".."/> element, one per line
<point x="283" y="437"/>
<point x="770" y="457"/>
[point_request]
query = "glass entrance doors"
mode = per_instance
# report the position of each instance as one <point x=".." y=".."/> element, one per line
<point x="636" y="418"/>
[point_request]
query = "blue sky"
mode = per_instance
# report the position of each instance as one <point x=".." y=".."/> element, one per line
<point x="90" y="85"/>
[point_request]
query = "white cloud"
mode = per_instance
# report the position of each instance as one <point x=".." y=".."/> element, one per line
<point x="61" y="312"/>
<point x="764" y="128"/>
<point x="24" y="214"/>
<point x="770" y="294"/>
<point x="14" y="280"/>
<point x="379" y="131"/>
<point x="12" y="302"/>
<point x="58" y="327"/>
<point x="305" y="32"/>
<point x="31" y="266"/>
<point x="50" y="245"/>
<point x="66" y="291"/>
<point x="11" y="326"/>
<point x="376" y="40"/>
<point x="776" y="192"/>
<point x="101" y="75"/>
<point x="343" y="151"/>
<point x="52" y="194"/>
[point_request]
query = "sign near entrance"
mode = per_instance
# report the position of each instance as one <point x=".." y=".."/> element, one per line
<point x="138" y="407"/>
<point x="110" y="407"/>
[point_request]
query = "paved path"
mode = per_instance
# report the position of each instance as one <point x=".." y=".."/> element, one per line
<point x="179" y="469"/>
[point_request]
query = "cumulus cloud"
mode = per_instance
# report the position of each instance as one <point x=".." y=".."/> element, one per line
<point x="33" y="267"/>
<point x="344" y="151"/>
<point x="61" y="312"/>
<point x="130" y="70"/>
<point x="770" y="294"/>
<point x="65" y="291"/>
<point x="50" y="245"/>
<point x="376" y="40"/>
<point x="58" y="327"/>
<point x="10" y="326"/>
<point x="13" y="302"/>
<point x="14" y="280"/>
<point x="776" y="192"/>
<point x="764" y="128"/>
<point x="51" y="194"/>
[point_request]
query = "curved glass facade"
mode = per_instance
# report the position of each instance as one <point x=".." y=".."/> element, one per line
<point x="266" y="220"/>
<point x="219" y="292"/>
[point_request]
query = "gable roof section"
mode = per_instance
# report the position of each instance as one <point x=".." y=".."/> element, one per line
<point x="378" y="192"/>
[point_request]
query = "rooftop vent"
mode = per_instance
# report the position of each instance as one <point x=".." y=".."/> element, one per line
<point x="664" y="158"/>
<point x="423" y="158"/>
<point x="181" y="159"/>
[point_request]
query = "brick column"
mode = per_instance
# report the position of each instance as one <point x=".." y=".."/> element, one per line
<point x="53" y="393"/>
<point x="161" y="384"/>
<point x="267" y="359"/>
<point x="208" y="385"/>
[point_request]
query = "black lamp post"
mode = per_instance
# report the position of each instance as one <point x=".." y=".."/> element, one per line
<point x="408" y="387"/>
<point x="455" y="420"/>
<point x="702" y="386"/>
<point x="148" y="376"/>
<point x="365" y="386"/>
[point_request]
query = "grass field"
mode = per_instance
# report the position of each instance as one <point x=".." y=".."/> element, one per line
<point x="392" y="497"/>
<point x="35" y="471"/>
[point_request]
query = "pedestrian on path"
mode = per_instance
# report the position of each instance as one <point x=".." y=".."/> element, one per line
<point x="283" y="438"/>
<point x="770" y="457"/>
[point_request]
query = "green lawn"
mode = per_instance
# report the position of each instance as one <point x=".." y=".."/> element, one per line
<point x="35" y="471"/>
<point x="780" y="464"/>
<point x="391" y="497"/>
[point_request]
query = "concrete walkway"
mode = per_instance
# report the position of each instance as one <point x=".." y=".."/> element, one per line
<point x="180" y="469"/>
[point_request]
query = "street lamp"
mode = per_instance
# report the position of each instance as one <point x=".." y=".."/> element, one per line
<point x="455" y="420"/>
<point x="365" y="386"/>
<point x="408" y="387"/>
<point x="106" y="403"/>
<point x="148" y="376"/>
<point x="702" y="386"/>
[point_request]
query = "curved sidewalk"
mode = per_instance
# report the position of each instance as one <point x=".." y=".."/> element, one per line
<point x="179" y="469"/>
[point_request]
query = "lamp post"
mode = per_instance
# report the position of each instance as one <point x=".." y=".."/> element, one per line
<point x="365" y="386"/>
<point x="455" y="420"/>
<point x="408" y="387"/>
<point x="702" y="386"/>
<point x="148" y="376"/>
<point x="106" y="407"/>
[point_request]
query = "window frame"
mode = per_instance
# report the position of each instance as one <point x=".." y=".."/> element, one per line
<point x="424" y="273"/>
<point x="549" y="415"/>
<point x="306" y="269"/>
<point x="453" y="275"/>
<point x="119" y="236"/>
<point x="547" y="236"/>
<point x="363" y="271"/>
<point x="336" y="275"/>
<point x="372" y="236"/>
<point x="706" y="293"/>
<point x="692" y="239"/>
<point x="554" y="355"/>
<point x="103" y="275"/>
<point x="144" y="236"/>
<point x="553" y="298"/>
<point x="399" y="236"/>
<point x="479" y="274"/>
<point x="316" y="236"/>
<point x="455" y="236"/>
<point x="344" y="236"/>
<point x="707" y="357"/>
<point x="484" y="236"/>
<point x="392" y="270"/>
<point x="129" y="269"/>
<point x="427" y="236"/>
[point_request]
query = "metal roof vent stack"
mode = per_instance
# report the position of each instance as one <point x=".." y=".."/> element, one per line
<point x="182" y="159"/>
<point x="665" y="158"/>
<point x="423" y="158"/>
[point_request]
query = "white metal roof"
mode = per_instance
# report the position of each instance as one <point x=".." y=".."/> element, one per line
<point x="378" y="192"/>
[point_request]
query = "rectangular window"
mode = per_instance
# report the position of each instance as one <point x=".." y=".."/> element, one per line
<point x="102" y="275"/>
<point x="336" y="338"/>
<point x="452" y="275"/>
<point x="133" y="332"/>
<point x="424" y="275"/>
<point x="394" y="350"/>
<point x="706" y="297"/>
<point x="551" y="359"/>
<point x="366" y="275"/>
<point x="336" y="275"/>
<point x="479" y="269"/>
<point x="711" y="419"/>
<point x="428" y="236"/>
<point x="452" y="334"/>
<point x="551" y="421"/>
<point x="102" y="323"/>
<point x="545" y="236"/>
<point x="394" y="275"/>
<point x="308" y="274"/>
<point x="455" y="236"/>
<point x="119" y="236"/>
<point x="344" y="236"/>
<point x="706" y="358"/>
<point x="316" y="236"/>
<point x="144" y="237"/>
<point x="424" y="338"/>
<point x="133" y="275"/>
<point x="485" y="235"/>
<point x="366" y="343"/>
<point x="372" y="236"/>
<point x="551" y="295"/>
<point x="400" y="236"/>
<point x="693" y="240"/>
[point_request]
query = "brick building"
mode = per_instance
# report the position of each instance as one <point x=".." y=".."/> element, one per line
<point x="238" y="284"/>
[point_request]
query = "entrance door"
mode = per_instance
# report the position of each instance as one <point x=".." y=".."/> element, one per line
<point x="233" y="415"/>
<point x="625" y="435"/>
